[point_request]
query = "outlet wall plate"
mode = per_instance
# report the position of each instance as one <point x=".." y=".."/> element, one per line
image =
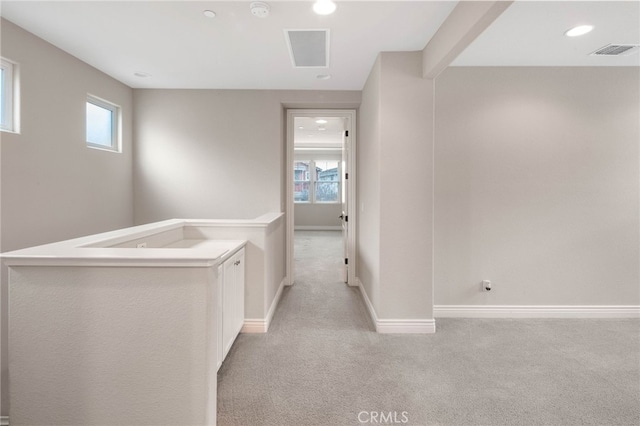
<point x="486" y="285"/>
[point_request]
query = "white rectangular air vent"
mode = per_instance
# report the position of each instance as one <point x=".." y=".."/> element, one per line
<point x="308" y="48"/>
<point x="616" y="50"/>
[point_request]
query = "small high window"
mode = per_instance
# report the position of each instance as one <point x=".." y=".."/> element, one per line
<point x="7" y="96"/>
<point x="102" y="124"/>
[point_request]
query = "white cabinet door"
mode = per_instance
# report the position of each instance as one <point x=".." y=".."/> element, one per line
<point x="239" y="286"/>
<point x="220" y="347"/>
<point x="228" y="306"/>
<point x="232" y="300"/>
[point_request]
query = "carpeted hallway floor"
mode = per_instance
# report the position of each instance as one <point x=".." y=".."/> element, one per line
<point x="321" y="363"/>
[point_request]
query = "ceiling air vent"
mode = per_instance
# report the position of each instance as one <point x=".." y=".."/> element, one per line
<point x="616" y="50"/>
<point x="308" y="48"/>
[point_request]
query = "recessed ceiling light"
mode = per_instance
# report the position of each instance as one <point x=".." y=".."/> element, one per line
<point x="323" y="76"/>
<point x="142" y="74"/>
<point x="324" y="7"/>
<point x="209" y="13"/>
<point x="321" y="121"/>
<point x="322" y="129"/>
<point x="578" y="31"/>
<point x="301" y="127"/>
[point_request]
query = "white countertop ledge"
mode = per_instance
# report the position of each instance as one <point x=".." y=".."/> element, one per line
<point x="177" y="251"/>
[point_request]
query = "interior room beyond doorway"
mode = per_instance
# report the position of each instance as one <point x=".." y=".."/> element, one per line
<point x="320" y="159"/>
<point x="318" y="173"/>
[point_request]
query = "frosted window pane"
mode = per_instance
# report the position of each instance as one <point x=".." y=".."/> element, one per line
<point x="327" y="192"/>
<point x="99" y="125"/>
<point x="2" y="95"/>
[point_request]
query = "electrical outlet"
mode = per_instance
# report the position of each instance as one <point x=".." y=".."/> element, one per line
<point x="141" y="245"/>
<point x="486" y="285"/>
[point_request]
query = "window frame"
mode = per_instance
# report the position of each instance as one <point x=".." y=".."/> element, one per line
<point x="313" y="181"/>
<point x="115" y="124"/>
<point x="8" y="116"/>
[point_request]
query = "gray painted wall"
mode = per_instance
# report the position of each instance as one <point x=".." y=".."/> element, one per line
<point x="537" y="186"/>
<point x="368" y="183"/>
<point x="406" y="187"/>
<point x="395" y="166"/>
<point x="53" y="186"/>
<point x="215" y="154"/>
<point x="308" y="216"/>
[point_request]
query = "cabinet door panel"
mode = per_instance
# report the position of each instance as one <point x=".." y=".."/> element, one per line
<point x="219" y="304"/>
<point x="239" y="284"/>
<point x="232" y="309"/>
<point x="228" y="306"/>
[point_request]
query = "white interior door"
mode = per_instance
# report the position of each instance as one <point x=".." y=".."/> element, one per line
<point x="345" y="205"/>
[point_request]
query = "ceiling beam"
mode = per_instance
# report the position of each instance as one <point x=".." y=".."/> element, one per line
<point x="465" y="22"/>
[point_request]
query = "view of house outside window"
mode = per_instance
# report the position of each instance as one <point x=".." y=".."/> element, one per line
<point x="301" y="181"/>
<point x="316" y="181"/>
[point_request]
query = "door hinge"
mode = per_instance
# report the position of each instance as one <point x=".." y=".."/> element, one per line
<point x="346" y="175"/>
<point x="346" y="133"/>
<point x="346" y="218"/>
<point x="346" y="261"/>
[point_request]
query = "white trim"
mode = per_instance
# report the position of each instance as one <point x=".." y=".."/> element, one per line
<point x="268" y="220"/>
<point x="274" y="304"/>
<point x="4" y="421"/>
<point x="536" y="311"/>
<point x="317" y="228"/>
<point x="253" y="325"/>
<point x="367" y="302"/>
<point x="406" y="326"/>
<point x="396" y="326"/>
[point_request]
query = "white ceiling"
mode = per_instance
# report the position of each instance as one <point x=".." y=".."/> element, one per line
<point x="307" y="133"/>
<point x="531" y="33"/>
<point x="180" y="48"/>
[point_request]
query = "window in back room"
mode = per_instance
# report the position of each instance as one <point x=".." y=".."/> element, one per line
<point x="317" y="181"/>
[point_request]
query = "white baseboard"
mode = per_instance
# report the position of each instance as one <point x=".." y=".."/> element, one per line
<point x="251" y="326"/>
<point x="276" y="301"/>
<point x="317" y="228"/>
<point x="396" y="326"/>
<point x="406" y="326"/>
<point x="260" y="325"/>
<point x="4" y="420"/>
<point x="536" y="311"/>
<point x="368" y="304"/>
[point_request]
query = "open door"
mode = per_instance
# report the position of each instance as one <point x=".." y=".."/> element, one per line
<point x="347" y="189"/>
<point x="345" y="206"/>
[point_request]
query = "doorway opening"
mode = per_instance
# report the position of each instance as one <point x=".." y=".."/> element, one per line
<point x="321" y="181"/>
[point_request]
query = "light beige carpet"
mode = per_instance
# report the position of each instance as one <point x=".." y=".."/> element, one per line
<point x="321" y="363"/>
